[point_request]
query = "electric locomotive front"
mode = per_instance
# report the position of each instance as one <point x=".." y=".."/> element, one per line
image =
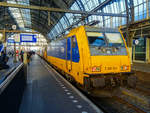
<point x="109" y="59"/>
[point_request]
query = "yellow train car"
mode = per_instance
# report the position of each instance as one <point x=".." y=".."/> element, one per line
<point x="92" y="57"/>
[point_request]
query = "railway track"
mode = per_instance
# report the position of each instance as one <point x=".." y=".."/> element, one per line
<point x="136" y="109"/>
<point x="115" y="104"/>
<point x="144" y="90"/>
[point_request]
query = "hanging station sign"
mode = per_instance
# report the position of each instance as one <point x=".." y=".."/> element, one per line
<point x="28" y="38"/>
<point x="10" y="41"/>
<point x="14" y="39"/>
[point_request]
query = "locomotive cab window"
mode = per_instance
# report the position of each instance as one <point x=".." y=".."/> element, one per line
<point x="114" y="39"/>
<point x="96" y="39"/>
<point x="106" y="43"/>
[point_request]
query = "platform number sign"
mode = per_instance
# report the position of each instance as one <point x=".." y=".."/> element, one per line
<point x="136" y="42"/>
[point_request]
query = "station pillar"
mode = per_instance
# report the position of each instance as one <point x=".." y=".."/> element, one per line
<point x="4" y="40"/>
<point x="130" y="54"/>
<point x="25" y="58"/>
<point x="147" y="8"/>
<point x="15" y="59"/>
<point x="147" y="50"/>
<point x="130" y="44"/>
<point x="25" y="61"/>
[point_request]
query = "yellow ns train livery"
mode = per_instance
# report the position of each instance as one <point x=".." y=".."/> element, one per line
<point x="92" y="57"/>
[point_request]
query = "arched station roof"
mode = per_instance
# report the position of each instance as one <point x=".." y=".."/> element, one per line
<point x="28" y="19"/>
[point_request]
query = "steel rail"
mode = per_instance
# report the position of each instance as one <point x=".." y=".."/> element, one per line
<point x="122" y="101"/>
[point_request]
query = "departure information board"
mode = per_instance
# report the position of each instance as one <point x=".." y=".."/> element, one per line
<point x="28" y="38"/>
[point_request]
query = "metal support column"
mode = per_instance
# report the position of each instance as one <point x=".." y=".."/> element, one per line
<point x="130" y="41"/>
<point x="25" y="64"/>
<point x="49" y="19"/>
<point x="111" y="22"/>
<point x="15" y="59"/>
<point x="4" y="40"/>
<point x="25" y="58"/>
<point x="130" y="19"/>
<point x="32" y="7"/>
<point x="147" y="50"/>
<point x="147" y="8"/>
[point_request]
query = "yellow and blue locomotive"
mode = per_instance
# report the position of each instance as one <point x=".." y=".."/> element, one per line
<point x="92" y="57"/>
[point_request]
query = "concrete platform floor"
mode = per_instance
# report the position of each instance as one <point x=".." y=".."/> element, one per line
<point x="47" y="93"/>
<point x="142" y="71"/>
<point x="143" y="67"/>
<point x="5" y="72"/>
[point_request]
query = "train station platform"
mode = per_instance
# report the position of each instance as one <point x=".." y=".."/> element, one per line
<point x="48" y="92"/>
<point x="5" y="72"/>
<point x="142" y="67"/>
<point x="142" y="71"/>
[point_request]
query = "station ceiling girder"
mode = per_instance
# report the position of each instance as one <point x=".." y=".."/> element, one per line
<point x="99" y="7"/>
<point x="4" y="4"/>
<point x="39" y="12"/>
<point x="17" y="31"/>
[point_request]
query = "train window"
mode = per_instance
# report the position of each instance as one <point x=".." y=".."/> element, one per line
<point x="96" y="39"/>
<point x="106" y="44"/>
<point x="114" y="39"/>
<point x="73" y="42"/>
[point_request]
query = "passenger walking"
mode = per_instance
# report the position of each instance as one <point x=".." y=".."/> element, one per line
<point x="29" y="57"/>
<point x="21" y="56"/>
<point x="3" y="61"/>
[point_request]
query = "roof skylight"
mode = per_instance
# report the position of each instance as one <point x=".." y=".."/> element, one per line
<point x="22" y="16"/>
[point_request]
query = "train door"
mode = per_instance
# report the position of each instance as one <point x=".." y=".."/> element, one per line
<point x="69" y="55"/>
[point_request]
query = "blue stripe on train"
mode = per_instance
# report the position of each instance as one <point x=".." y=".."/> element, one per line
<point x="58" y="49"/>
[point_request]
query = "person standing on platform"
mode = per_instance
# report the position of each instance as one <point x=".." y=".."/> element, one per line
<point x="3" y="61"/>
<point x="21" y="55"/>
<point x="28" y="57"/>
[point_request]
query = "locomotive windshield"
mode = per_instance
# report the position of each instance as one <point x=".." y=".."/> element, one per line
<point x="114" y="39"/>
<point x="96" y="39"/>
<point x="106" y="43"/>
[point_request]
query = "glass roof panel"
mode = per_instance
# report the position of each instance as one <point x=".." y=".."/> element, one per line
<point x="22" y="16"/>
<point x="118" y="6"/>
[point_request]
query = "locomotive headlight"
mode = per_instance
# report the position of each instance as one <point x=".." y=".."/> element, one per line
<point x="123" y="68"/>
<point x="96" y="69"/>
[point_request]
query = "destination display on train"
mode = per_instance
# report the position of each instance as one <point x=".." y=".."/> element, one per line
<point x="28" y="38"/>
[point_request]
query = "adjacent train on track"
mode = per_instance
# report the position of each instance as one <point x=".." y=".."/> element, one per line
<point x="95" y="58"/>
